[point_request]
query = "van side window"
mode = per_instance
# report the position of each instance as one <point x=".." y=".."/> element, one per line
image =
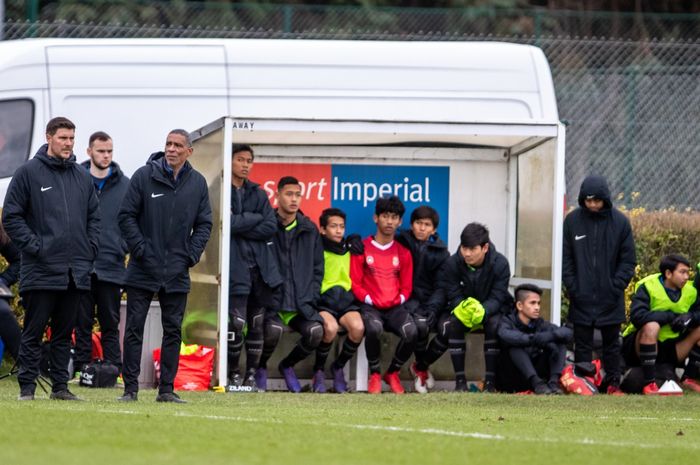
<point x="16" y="123"/>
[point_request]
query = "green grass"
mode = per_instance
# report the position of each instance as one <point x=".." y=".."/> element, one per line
<point x="439" y="428"/>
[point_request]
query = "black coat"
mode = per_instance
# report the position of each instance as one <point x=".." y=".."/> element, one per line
<point x="165" y="224"/>
<point x="253" y="228"/>
<point x="428" y="257"/>
<point x="12" y="256"/>
<point x="598" y="259"/>
<point x="52" y="215"/>
<point x="514" y="333"/>
<point x="491" y="287"/>
<point x="300" y="257"/>
<point x="109" y="264"/>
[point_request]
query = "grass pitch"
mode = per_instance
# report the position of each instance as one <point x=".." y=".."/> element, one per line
<point x="281" y="428"/>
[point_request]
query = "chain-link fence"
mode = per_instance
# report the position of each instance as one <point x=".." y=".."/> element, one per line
<point x="632" y="107"/>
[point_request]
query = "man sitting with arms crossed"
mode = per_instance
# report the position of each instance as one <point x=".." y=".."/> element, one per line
<point x="337" y="304"/>
<point x="664" y="321"/>
<point x="534" y="349"/>
<point x="428" y="301"/>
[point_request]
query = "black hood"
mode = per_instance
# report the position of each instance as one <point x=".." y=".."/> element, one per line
<point x="54" y="162"/>
<point x="595" y="186"/>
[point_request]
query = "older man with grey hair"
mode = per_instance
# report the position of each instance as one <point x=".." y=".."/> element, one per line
<point x="165" y="219"/>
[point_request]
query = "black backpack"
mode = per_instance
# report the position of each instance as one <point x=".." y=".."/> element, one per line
<point x="99" y="374"/>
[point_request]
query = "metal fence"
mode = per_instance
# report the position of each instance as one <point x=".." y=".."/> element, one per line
<point x="632" y="106"/>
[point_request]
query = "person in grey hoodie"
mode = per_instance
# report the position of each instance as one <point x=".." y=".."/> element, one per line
<point x="597" y="265"/>
<point x="51" y="213"/>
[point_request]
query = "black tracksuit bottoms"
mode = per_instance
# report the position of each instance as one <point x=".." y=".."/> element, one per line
<point x="10" y="332"/>
<point x="41" y="307"/>
<point x="107" y="298"/>
<point x="172" y="305"/>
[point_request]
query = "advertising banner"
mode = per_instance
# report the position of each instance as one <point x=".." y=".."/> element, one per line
<point x="356" y="188"/>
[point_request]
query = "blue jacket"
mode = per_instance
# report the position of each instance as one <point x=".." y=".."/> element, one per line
<point x="165" y="224"/>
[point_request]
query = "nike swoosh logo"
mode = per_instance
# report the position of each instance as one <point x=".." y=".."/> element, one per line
<point x="578" y="238"/>
<point x="154" y="195"/>
<point x="44" y="189"/>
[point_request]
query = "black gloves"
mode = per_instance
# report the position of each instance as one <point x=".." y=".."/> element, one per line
<point x="563" y="334"/>
<point x="354" y="244"/>
<point x="681" y="322"/>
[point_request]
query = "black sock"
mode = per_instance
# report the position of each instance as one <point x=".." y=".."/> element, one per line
<point x="647" y="355"/>
<point x="298" y="353"/>
<point x="234" y="355"/>
<point x="346" y="353"/>
<point x="457" y="348"/>
<point x="254" y="352"/>
<point x="436" y="348"/>
<point x="322" y="351"/>
<point x="692" y="370"/>
<point x="491" y="353"/>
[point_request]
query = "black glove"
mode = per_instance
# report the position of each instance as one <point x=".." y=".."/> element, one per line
<point x="354" y="244"/>
<point x="563" y="335"/>
<point x="542" y="339"/>
<point x="680" y="323"/>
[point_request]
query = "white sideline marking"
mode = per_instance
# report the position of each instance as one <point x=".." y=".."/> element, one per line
<point x="430" y="431"/>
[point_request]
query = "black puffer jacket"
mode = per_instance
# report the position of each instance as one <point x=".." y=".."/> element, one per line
<point x="514" y="333"/>
<point x="253" y="228"/>
<point x="166" y="225"/>
<point x="598" y="258"/>
<point x="52" y="215"/>
<point x="490" y="288"/>
<point x="109" y="264"/>
<point x="300" y="255"/>
<point x="428" y="257"/>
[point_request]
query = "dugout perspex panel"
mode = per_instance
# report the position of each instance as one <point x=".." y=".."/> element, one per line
<point x="509" y="177"/>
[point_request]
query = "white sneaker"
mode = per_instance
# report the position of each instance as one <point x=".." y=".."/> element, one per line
<point x="430" y="381"/>
<point x="419" y="379"/>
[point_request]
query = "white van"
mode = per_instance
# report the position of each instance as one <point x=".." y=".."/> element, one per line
<point x="138" y="89"/>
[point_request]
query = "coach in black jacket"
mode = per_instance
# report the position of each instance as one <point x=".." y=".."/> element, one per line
<point x="534" y="349"/>
<point x="165" y="219"/>
<point x="480" y="272"/>
<point x="51" y="213"/>
<point x="597" y="265"/>
<point x="108" y="275"/>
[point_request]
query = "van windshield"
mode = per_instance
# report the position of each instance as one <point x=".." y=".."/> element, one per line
<point x="16" y="123"/>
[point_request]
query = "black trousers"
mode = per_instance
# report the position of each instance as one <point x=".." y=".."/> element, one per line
<point x="311" y="333"/>
<point x="107" y="298"/>
<point x="396" y="320"/>
<point x="41" y="307"/>
<point x="517" y="365"/>
<point x="172" y="306"/>
<point x="10" y="332"/>
<point x="612" y="349"/>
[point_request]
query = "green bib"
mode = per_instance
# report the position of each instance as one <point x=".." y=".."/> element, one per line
<point x="660" y="302"/>
<point x="336" y="271"/>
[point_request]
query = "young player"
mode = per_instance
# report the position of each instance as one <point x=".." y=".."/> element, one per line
<point x="427" y="304"/>
<point x="382" y="280"/>
<point x="337" y="304"/>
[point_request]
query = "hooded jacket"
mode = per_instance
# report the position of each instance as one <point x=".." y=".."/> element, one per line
<point x="514" y="333"/>
<point x="300" y="256"/>
<point x="253" y="228"/>
<point x="51" y="213"/>
<point x="490" y="287"/>
<point x="109" y="264"/>
<point x="428" y="257"/>
<point x="598" y="258"/>
<point x="165" y="224"/>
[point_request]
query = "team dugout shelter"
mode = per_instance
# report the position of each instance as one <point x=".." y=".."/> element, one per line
<point x="478" y="141"/>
